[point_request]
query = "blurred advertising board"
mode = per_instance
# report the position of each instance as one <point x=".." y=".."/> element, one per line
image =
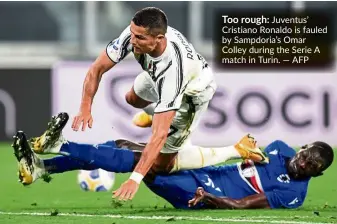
<point x="295" y="107"/>
<point x="25" y="101"/>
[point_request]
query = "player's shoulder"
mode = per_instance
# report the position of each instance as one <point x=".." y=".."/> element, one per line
<point x="126" y="34"/>
<point x="175" y="36"/>
<point x="123" y="39"/>
<point x="299" y="188"/>
<point x="172" y="30"/>
<point x="127" y="30"/>
<point x="280" y="147"/>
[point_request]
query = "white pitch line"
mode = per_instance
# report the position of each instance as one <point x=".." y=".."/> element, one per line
<point x="162" y="217"/>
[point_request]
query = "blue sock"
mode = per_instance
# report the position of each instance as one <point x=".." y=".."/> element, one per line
<point x="60" y="164"/>
<point x="104" y="156"/>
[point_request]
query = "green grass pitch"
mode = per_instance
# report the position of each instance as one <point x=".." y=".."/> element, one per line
<point x="63" y="202"/>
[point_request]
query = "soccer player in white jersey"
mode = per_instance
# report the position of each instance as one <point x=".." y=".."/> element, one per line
<point x="179" y="84"/>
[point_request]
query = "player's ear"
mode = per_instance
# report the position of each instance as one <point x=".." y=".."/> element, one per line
<point x="159" y="38"/>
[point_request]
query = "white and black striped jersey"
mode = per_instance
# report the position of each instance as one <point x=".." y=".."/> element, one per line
<point x="177" y="70"/>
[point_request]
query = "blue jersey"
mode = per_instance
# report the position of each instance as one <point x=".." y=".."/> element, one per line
<point x="281" y="190"/>
<point x="238" y="181"/>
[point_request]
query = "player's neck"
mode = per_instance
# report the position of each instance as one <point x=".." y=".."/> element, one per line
<point x="290" y="173"/>
<point x="159" y="50"/>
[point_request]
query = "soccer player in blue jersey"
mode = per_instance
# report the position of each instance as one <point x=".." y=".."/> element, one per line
<point x="282" y="183"/>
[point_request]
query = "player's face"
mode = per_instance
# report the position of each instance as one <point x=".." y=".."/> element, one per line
<point x="306" y="163"/>
<point x="141" y="40"/>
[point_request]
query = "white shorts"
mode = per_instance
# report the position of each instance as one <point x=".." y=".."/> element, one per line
<point x="145" y="88"/>
<point x="187" y="117"/>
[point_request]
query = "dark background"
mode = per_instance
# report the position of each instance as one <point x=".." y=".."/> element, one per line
<point x="31" y="91"/>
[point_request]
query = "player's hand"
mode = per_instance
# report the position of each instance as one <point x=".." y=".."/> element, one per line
<point x="83" y="118"/>
<point x="198" y="196"/>
<point x="126" y="191"/>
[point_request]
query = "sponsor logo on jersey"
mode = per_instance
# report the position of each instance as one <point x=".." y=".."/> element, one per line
<point x="293" y="201"/>
<point x="284" y="178"/>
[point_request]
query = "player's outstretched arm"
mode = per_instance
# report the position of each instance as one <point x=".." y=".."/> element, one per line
<point x="257" y="201"/>
<point x="160" y="128"/>
<point x="94" y="75"/>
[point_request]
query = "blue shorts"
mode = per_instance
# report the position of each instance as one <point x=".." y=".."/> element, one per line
<point x="176" y="188"/>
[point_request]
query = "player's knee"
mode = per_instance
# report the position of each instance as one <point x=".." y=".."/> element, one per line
<point x="135" y="101"/>
<point x="129" y="99"/>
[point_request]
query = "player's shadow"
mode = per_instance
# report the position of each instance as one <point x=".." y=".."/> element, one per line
<point x="102" y="210"/>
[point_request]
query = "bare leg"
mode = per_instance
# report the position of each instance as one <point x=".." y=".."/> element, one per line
<point x="134" y="100"/>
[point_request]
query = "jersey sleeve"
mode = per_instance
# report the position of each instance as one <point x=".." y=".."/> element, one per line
<point x="284" y="199"/>
<point x="280" y="146"/>
<point x="120" y="47"/>
<point x="170" y="89"/>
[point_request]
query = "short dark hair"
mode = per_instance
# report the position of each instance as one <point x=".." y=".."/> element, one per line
<point x="151" y="18"/>
<point x="325" y="151"/>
